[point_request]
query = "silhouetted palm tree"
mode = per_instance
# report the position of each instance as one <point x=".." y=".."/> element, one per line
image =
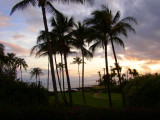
<point x="21" y="63"/>
<point x="45" y="5"/>
<point x="41" y="50"/>
<point x="2" y="57"/>
<point x="135" y="73"/>
<point x="78" y="61"/>
<point x="61" y="27"/>
<point x="98" y="22"/>
<point x="60" y="66"/>
<point x="117" y="27"/>
<point x="36" y="72"/>
<point x="80" y="35"/>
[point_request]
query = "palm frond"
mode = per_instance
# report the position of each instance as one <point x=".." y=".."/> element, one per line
<point x="51" y="9"/>
<point x="116" y="18"/>
<point x="22" y="5"/>
<point x="119" y="41"/>
<point x="86" y="53"/>
<point x="129" y="20"/>
<point x="95" y="45"/>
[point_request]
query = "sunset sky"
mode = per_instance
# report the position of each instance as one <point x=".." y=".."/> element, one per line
<point x="19" y="32"/>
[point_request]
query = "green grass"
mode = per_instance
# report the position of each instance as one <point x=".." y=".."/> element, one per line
<point x="101" y="102"/>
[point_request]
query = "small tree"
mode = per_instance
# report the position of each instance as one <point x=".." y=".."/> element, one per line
<point x="37" y="72"/>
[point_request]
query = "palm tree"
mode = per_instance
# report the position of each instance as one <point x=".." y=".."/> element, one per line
<point x="41" y="50"/>
<point x="44" y="5"/>
<point x="61" y="27"/>
<point x="78" y="61"/>
<point x="135" y="73"/>
<point x="100" y="78"/>
<point x="36" y="72"/>
<point x="11" y="63"/>
<point x="98" y="23"/>
<point x="117" y="27"/>
<point x="2" y="57"/>
<point x="80" y="35"/>
<point x="21" y="63"/>
<point x="61" y="66"/>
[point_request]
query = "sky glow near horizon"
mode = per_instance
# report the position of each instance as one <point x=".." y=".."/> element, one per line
<point x="18" y="33"/>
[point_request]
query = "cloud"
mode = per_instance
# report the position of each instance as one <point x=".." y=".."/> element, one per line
<point x="11" y="47"/>
<point x="3" y="20"/>
<point x="17" y="36"/>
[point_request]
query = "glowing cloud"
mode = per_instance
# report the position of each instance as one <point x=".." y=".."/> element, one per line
<point x="17" y="36"/>
<point x="11" y="47"/>
<point x="3" y="20"/>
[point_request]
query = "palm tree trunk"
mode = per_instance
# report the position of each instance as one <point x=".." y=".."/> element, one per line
<point x="127" y="75"/>
<point x="39" y="79"/>
<point x="115" y="57"/>
<point x="63" y="80"/>
<point x="50" y="56"/>
<point x="64" y="99"/>
<point x="48" y="76"/>
<point x="62" y="73"/>
<point x="79" y="76"/>
<point x="108" y="79"/>
<point x="36" y="79"/>
<point x="21" y="73"/>
<point x="84" y="100"/>
<point x="68" y="80"/>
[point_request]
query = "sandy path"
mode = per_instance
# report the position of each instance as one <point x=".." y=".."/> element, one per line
<point x="95" y="95"/>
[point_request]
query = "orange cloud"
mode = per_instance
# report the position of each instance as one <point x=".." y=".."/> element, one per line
<point x="33" y="29"/>
<point x="15" y="48"/>
<point x="17" y="36"/>
<point x="3" y="20"/>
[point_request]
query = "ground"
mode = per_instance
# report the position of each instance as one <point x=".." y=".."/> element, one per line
<point x="97" y="99"/>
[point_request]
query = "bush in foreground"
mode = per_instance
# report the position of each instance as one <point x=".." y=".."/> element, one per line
<point x="143" y="91"/>
<point x="15" y="92"/>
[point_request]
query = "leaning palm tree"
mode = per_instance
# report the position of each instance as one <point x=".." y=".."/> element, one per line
<point x="80" y="35"/>
<point x="78" y="61"/>
<point x="44" y="5"/>
<point x="36" y="72"/>
<point x="61" y="27"/>
<point x="21" y="63"/>
<point x="118" y="27"/>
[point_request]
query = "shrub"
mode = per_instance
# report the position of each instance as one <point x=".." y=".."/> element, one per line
<point x="20" y="93"/>
<point x="143" y="91"/>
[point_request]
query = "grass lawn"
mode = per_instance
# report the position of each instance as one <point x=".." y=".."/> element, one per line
<point x="100" y="101"/>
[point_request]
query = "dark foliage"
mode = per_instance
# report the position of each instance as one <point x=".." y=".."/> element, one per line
<point x="143" y="91"/>
<point x="60" y="112"/>
<point x="15" y="92"/>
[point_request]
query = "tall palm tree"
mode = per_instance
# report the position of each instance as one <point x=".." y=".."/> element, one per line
<point x="21" y="63"/>
<point x="115" y="28"/>
<point x="80" y="35"/>
<point x="78" y="61"/>
<point x="41" y="50"/>
<point x="36" y="72"/>
<point x="61" y="27"/>
<point x="44" y="5"/>
<point x="98" y="22"/>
